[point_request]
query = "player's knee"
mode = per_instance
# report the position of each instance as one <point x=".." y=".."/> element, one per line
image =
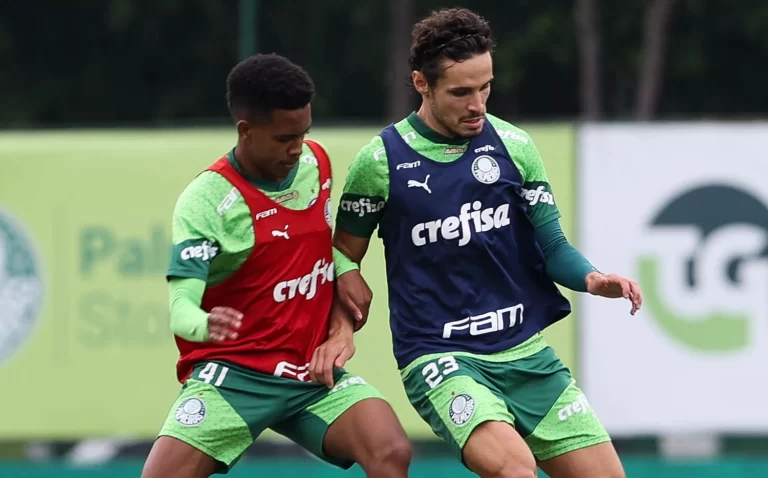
<point x="609" y="474"/>
<point x="619" y="473"/>
<point x="393" y="454"/>
<point x="511" y="469"/>
<point x="506" y="465"/>
<point x="398" y="452"/>
<point x="172" y="458"/>
<point x="495" y="450"/>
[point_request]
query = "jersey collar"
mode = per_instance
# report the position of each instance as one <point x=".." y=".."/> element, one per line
<point x="262" y="184"/>
<point x="431" y="135"/>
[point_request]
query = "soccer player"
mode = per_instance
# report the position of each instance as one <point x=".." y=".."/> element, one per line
<point x="473" y="251"/>
<point x="251" y="288"/>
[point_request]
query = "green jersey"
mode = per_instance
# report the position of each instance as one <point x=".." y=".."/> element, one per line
<point x="455" y="391"/>
<point x="212" y="230"/>
<point x="213" y="235"/>
<point x="367" y="188"/>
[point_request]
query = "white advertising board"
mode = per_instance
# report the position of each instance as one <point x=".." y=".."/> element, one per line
<point x="683" y="209"/>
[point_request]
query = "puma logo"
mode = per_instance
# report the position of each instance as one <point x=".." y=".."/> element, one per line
<point x="412" y="183"/>
<point x="283" y="233"/>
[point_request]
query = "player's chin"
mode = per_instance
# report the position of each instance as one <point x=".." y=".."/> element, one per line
<point x="471" y="129"/>
<point x="282" y="168"/>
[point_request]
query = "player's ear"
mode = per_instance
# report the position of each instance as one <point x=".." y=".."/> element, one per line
<point x="243" y="128"/>
<point x="420" y="82"/>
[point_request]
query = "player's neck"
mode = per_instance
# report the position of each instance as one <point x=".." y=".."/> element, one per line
<point x="249" y="171"/>
<point x="425" y="114"/>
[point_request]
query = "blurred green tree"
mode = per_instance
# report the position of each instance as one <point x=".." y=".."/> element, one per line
<point x="147" y="62"/>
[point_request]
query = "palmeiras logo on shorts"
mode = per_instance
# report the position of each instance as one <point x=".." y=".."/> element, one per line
<point x="191" y="412"/>
<point x="486" y="169"/>
<point x="21" y="287"/>
<point x="704" y="272"/>
<point x="328" y="213"/>
<point x="461" y="409"/>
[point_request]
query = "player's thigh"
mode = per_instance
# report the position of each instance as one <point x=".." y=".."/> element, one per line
<point x="595" y="461"/>
<point x="222" y="409"/>
<point x="552" y="412"/>
<point x="369" y="433"/>
<point x="346" y="424"/>
<point x="172" y="458"/>
<point x="462" y="409"/>
<point x="496" y="450"/>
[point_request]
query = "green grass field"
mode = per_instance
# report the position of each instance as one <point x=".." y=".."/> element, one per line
<point x="121" y="185"/>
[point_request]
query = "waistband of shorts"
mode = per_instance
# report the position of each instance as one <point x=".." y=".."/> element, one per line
<point x="531" y="346"/>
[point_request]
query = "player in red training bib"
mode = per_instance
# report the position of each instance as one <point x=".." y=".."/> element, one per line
<point x="252" y="285"/>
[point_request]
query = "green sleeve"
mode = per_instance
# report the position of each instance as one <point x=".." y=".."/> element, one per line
<point x="342" y="263"/>
<point x="565" y="264"/>
<point x="188" y="320"/>
<point x="536" y="189"/>
<point x="365" y="192"/>
<point x="196" y="228"/>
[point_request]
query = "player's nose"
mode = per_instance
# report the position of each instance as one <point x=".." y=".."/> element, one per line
<point x="295" y="148"/>
<point x="476" y="109"/>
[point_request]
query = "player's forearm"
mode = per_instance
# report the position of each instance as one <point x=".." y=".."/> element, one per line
<point x="342" y="263"/>
<point x="340" y="322"/>
<point x="188" y="320"/>
<point x="565" y="264"/>
<point x="351" y="246"/>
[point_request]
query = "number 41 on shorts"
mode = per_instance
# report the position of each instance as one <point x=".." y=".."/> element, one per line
<point x="213" y="371"/>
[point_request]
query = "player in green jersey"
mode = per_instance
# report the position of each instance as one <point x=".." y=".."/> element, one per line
<point x="524" y="407"/>
<point x="228" y="398"/>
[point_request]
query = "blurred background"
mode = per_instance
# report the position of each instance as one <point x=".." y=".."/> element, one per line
<point x="650" y="116"/>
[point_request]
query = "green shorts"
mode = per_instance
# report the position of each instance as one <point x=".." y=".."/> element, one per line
<point x="527" y="387"/>
<point x="223" y="408"/>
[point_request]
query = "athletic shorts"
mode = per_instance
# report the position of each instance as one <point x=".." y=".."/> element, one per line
<point x="223" y="408"/>
<point x="527" y="387"/>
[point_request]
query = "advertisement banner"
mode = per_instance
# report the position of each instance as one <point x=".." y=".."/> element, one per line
<point x="682" y="209"/>
<point x="85" y="346"/>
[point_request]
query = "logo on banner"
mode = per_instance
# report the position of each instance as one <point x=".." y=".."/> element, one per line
<point x="705" y="274"/>
<point x="21" y="288"/>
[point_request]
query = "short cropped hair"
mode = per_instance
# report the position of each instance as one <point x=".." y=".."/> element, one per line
<point x="455" y="34"/>
<point x="265" y="82"/>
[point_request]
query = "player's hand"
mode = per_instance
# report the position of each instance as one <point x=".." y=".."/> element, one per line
<point x="333" y="353"/>
<point x="615" y="286"/>
<point x="354" y="294"/>
<point x="223" y="324"/>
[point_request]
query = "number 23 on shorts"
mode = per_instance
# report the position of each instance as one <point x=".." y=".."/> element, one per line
<point x="434" y="372"/>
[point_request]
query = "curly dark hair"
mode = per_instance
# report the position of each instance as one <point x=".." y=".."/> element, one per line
<point x="265" y="82"/>
<point x="455" y="34"/>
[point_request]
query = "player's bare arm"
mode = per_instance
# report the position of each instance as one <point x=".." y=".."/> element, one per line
<point x="352" y="292"/>
<point x="337" y="350"/>
<point x="352" y="246"/>
<point x="360" y="210"/>
<point x="614" y="286"/>
<point x="565" y="264"/>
